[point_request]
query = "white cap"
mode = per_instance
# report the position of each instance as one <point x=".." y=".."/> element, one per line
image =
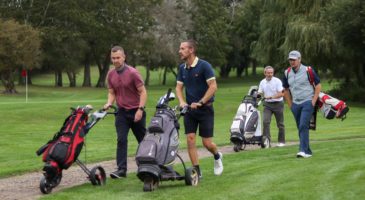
<point x="294" y="55"/>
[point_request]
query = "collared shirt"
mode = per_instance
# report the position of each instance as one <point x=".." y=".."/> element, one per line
<point x="271" y="88"/>
<point x="125" y="83"/>
<point x="195" y="62"/>
<point x="195" y="78"/>
<point x="298" y="83"/>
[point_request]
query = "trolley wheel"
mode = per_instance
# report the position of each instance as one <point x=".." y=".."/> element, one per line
<point x="237" y="147"/>
<point x="98" y="176"/>
<point x="265" y="142"/>
<point x="58" y="179"/>
<point x="191" y="176"/>
<point x="149" y="184"/>
<point x="45" y="186"/>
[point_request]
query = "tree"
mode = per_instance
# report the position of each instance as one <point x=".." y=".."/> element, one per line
<point x="124" y="24"/>
<point x="169" y="29"/>
<point x="210" y="19"/>
<point x="347" y="21"/>
<point x="71" y="28"/>
<point x="19" y="48"/>
<point x="245" y="33"/>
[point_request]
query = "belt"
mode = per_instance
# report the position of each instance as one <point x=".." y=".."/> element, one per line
<point x="208" y="104"/>
<point x="127" y="110"/>
<point x="273" y="102"/>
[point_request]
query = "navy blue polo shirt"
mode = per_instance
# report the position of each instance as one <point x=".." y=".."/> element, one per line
<point x="195" y="79"/>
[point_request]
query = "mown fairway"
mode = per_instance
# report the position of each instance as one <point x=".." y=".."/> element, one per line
<point x="334" y="172"/>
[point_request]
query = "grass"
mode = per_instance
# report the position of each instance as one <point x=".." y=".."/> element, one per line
<point x="334" y="172"/>
<point x="27" y="126"/>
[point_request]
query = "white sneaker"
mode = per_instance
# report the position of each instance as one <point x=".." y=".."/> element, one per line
<point x="280" y="144"/>
<point x="307" y="155"/>
<point x="218" y="165"/>
<point x="303" y="155"/>
<point x="300" y="154"/>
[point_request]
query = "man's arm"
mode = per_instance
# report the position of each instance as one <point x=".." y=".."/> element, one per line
<point x="288" y="97"/>
<point x="212" y="88"/>
<point x="142" y="95"/>
<point x="179" y="94"/>
<point x="278" y="95"/>
<point x="142" y="102"/>
<point x="111" y="98"/>
<point x="317" y="90"/>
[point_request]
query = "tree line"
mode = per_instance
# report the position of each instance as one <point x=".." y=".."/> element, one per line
<point x="66" y="36"/>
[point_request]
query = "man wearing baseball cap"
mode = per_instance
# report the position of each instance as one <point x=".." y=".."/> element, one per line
<point x="301" y="97"/>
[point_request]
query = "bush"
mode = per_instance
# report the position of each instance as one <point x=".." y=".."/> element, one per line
<point x="349" y="92"/>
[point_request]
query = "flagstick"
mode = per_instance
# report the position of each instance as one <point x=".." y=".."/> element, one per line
<point x="26" y="89"/>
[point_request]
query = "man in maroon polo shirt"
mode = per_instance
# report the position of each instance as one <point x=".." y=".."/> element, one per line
<point x="126" y="88"/>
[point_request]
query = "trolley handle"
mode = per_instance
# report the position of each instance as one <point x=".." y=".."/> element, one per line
<point x="115" y="110"/>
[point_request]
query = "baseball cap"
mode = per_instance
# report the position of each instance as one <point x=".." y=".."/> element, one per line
<point x="294" y="55"/>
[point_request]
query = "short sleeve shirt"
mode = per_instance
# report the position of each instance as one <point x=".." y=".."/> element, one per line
<point x="125" y="85"/>
<point x="271" y="88"/>
<point x="195" y="79"/>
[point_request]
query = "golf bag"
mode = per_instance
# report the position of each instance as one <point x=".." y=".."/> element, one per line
<point x="332" y="107"/>
<point x="246" y="125"/>
<point x="67" y="144"/>
<point x="160" y="145"/>
<point x="159" y="148"/>
<point x="63" y="150"/>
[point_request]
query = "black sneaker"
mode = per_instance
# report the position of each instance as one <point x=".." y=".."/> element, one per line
<point x="118" y="174"/>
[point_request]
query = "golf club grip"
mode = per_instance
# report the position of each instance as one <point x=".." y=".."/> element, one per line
<point x="42" y="149"/>
<point x="168" y="94"/>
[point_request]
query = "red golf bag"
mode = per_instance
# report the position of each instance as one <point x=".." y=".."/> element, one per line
<point x="63" y="150"/>
<point x="66" y="146"/>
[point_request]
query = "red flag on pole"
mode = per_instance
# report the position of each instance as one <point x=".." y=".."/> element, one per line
<point x="24" y="73"/>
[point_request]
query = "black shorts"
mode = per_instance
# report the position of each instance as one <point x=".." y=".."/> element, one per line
<point x="202" y="117"/>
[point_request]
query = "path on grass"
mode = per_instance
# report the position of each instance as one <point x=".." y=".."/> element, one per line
<point x="26" y="186"/>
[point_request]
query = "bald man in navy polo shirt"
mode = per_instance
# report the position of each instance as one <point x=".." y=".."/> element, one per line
<point x="197" y="76"/>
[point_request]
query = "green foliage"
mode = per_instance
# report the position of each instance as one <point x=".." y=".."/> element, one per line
<point x="232" y="34"/>
<point x="347" y="21"/>
<point x="210" y="30"/>
<point x="246" y="30"/>
<point x="19" y="46"/>
<point x="19" y="49"/>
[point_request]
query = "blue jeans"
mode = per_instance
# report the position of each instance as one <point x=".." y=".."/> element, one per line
<point x="302" y="114"/>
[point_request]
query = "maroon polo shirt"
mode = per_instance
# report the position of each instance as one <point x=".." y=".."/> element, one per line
<point x="125" y="84"/>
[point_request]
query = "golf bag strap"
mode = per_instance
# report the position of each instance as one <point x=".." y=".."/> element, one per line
<point x="310" y="74"/>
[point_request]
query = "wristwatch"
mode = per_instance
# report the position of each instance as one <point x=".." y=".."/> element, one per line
<point x="142" y="108"/>
<point x="201" y="102"/>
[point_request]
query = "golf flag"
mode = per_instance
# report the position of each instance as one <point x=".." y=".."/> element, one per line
<point x="24" y="73"/>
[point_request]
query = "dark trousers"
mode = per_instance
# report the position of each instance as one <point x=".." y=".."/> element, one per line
<point x="124" y="120"/>
<point x="276" y="108"/>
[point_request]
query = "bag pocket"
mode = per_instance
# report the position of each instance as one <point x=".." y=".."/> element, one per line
<point x="156" y="125"/>
<point x="147" y="150"/>
<point x="60" y="150"/>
